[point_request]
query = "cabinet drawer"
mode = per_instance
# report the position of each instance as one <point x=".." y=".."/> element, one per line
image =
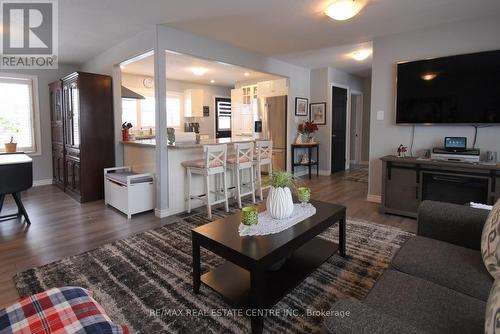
<point x="401" y="190"/>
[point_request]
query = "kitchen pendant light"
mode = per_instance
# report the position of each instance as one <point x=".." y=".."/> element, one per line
<point x="341" y="10"/>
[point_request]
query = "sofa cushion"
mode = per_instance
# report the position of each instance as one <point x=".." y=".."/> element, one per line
<point x="490" y="241"/>
<point x="452" y="266"/>
<point x="425" y="305"/>
<point x="492" y="324"/>
<point x="351" y="316"/>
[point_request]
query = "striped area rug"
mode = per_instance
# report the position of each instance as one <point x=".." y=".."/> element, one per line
<point x="144" y="281"/>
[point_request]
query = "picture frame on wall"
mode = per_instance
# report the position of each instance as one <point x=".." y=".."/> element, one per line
<point x="301" y="106"/>
<point x="317" y="113"/>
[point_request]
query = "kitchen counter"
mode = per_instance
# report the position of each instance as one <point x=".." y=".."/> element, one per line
<point x="189" y="145"/>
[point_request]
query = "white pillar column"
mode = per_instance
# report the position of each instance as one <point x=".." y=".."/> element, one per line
<point x="161" y="129"/>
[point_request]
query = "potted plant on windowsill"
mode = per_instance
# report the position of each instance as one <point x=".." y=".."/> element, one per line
<point x="6" y="127"/>
<point x="279" y="200"/>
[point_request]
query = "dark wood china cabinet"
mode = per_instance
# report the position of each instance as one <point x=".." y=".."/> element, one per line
<point x="82" y="133"/>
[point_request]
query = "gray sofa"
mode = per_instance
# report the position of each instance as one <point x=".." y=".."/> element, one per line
<point x="437" y="282"/>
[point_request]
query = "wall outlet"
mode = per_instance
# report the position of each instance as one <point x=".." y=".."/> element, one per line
<point x="380" y="115"/>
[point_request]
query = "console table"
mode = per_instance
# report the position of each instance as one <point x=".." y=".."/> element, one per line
<point x="406" y="182"/>
<point x="309" y="147"/>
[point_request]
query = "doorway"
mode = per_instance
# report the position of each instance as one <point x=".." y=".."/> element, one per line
<point x="339" y="133"/>
<point x="222" y="117"/>
<point x="356" y="128"/>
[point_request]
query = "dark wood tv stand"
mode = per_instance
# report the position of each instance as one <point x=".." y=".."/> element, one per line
<point x="408" y="181"/>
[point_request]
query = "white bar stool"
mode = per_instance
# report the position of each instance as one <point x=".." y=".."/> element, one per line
<point x="242" y="160"/>
<point x="214" y="163"/>
<point x="263" y="157"/>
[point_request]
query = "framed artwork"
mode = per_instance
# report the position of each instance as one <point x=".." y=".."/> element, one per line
<point x="317" y="113"/>
<point x="301" y="105"/>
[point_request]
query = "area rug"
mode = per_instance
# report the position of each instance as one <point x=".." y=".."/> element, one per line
<point x="357" y="174"/>
<point x="145" y="281"/>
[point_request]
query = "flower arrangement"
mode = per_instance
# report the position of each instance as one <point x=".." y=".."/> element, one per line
<point x="307" y="128"/>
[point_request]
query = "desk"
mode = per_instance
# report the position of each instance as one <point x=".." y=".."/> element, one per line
<point x="309" y="147"/>
<point x="16" y="175"/>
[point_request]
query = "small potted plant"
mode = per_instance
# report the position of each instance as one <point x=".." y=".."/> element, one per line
<point x="11" y="147"/>
<point x="279" y="200"/>
<point x="305" y="130"/>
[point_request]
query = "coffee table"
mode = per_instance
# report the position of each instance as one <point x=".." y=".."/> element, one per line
<point x="248" y="279"/>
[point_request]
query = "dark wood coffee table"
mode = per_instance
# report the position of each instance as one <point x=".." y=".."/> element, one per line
<point x="246" y="280"/>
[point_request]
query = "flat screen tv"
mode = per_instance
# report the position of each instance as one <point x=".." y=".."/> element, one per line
<point x="462" y="89"/>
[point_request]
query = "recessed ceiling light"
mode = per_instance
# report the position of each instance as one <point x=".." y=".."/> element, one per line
<point x="246" y="74"/>
<point x="361" y="55"/>
<point x="212" y="81"/>
<point x="429" y="76"/>
<point x="198" y="70"/>
<point x="122" y="67"/>
<point x="341" y="10"/>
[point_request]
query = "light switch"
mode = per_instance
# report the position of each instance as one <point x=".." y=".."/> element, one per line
<point x="380" y="115"/>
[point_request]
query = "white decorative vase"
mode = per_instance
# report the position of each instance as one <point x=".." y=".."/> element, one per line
<point x="280" y="203"/>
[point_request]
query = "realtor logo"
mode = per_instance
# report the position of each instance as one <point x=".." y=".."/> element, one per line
<point x="29" y="34"/>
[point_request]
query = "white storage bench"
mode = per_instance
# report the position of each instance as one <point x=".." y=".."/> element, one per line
<point x="127" y="191"/>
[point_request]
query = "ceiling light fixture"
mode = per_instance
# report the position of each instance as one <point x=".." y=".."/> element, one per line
<point x="212" y="81"/>
<point x="341" y="10"/>
<point x="199" y="71"/>
<point x="429" y="76"/>
<point x="246" y="74"/>
<point x="361" y="55"/>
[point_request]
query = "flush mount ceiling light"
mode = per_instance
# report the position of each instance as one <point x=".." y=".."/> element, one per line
<point x="341" y="10"/>
<point x="429" y="76"/>
<point x="246" y="74"/>
<point x="361" y="55"/>
<point x="212" y="81"/>
<point x="199" y="71"/>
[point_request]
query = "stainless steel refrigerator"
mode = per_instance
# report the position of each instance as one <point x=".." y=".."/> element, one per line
<point x="272" y="113"/>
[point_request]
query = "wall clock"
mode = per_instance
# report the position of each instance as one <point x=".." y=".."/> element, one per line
<point x="148" y="82"/>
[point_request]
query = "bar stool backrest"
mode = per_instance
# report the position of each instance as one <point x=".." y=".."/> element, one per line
<point x="264" y="151"/>
<point x="215" y="157"/>
<point x="244" y="154"/>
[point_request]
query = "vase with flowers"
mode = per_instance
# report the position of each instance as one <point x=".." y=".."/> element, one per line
<point x="305" y="130"/>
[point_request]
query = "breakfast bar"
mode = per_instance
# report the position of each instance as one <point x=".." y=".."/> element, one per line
<point x="140" y="155"/>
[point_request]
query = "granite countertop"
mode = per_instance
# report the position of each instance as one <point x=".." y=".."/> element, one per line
<point x="189" y="145"/>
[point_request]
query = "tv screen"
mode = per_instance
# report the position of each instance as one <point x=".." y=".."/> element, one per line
<point x="462" y="89"/>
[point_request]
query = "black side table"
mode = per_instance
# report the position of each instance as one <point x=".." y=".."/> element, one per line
<point x="309" y="147"/>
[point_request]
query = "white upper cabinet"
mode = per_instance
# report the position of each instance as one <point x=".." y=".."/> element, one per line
<point x="193" y="103"/>
<point x="272" y="88"/>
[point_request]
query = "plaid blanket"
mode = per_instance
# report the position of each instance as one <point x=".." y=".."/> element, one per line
<point x="58" y="310"/>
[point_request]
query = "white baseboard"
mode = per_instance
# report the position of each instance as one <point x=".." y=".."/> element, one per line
<point x="45" y="182"/>
<point x="313" y="172"/>
<point x="325" y="172"/>
<point x="374" y="198"/>
<point x="161" y="213"/>
<point x="364" y="163"/>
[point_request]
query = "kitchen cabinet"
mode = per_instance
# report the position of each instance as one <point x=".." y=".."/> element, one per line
<point x="193" y="103"/>
<point x="249" y="94"/>
<point x="82" y="133"/>
<point x="241" y="114"/>
<point x="272" y="88"/>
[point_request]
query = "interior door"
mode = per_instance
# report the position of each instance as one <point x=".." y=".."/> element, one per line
<point x="223" y="117"/>
<point x="339" y="114"/>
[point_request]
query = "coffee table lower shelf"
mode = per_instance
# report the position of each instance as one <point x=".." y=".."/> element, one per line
<point x="233" y="282"/>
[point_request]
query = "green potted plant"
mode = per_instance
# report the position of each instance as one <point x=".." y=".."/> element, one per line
<point x="6" y="126"/>
<point x="279" y="200"/>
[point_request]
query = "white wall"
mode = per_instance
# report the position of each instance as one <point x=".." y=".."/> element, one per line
<point x="42" y="164"/>
<point x="365" y="133"/>
<point x="321" y="81"/>
<point x="210" y="92"/>
<point x="451" y="39"/>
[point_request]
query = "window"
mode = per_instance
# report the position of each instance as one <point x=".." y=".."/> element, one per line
<point x="19" y="112"/>
<point x="147" y="113"/>
<point x="129" y="111"/>
<point x="174" y="110"/>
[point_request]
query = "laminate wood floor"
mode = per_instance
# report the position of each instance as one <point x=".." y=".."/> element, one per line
<point x="62" y="227"/>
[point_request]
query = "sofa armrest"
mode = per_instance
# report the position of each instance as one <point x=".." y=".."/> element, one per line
<point x="457" y="224"/>
<point x="362" y="319"/>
